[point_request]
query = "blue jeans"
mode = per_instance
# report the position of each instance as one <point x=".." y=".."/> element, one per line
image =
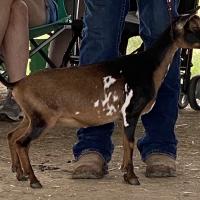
<point x="104" y="21"/>
<point x="52" y="11"/>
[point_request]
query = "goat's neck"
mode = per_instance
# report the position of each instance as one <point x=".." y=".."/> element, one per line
<point x="162" y="54"/>
<point x="140" y="68"/>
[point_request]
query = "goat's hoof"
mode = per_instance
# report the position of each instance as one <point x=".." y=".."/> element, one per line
<point x="131" y="180"/>
<point x="36" y="185"/>
<point x="22" y="178"/>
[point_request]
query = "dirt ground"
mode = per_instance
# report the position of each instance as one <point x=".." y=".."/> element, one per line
<point x="51" y="159"/>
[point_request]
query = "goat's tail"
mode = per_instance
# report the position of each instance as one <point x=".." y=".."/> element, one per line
<point x="6" y="83"/>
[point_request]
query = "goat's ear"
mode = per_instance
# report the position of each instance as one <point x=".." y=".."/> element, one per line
<point x="183" y="19"/>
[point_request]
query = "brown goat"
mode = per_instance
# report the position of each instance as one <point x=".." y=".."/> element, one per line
<point x="96" y="94"/>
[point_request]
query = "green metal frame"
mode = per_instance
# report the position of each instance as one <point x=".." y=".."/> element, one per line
<point x="39" y="47"/>
<point x="63" y="18"/>
<point x="53" y="29"/>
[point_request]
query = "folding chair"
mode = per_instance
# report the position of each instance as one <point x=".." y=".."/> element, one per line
<point x="64" y="22"/>
<point x="54" y="29"/>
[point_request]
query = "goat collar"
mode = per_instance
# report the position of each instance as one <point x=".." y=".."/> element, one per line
<point x="169" y="7"/>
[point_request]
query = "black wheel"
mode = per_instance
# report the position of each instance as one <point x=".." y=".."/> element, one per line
<point x="183" y="100"/>
<point x="194" y="93"/>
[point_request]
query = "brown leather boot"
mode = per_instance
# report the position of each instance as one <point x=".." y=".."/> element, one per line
<point x="160" y="165"/>
<point x="89" y="166"/>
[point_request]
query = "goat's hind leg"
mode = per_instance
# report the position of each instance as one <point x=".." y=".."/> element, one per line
<point x="12" y="136"/>
<point x="35" y="129"/>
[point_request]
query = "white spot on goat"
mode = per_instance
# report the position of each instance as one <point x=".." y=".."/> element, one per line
<point x="126" y="87"/>
<point x="152" y="106"/>
<point x="96" y="103"/>
<point x="168" y="67"/>
<point x="77" y="113"/>
<point x="106" y="98"/>
<point x="111" y="110"/>
<point x="107" y="104"/>
<point x="115" y="98"/>
<point x="126" y="104"/>
<point x="108" y="81"/>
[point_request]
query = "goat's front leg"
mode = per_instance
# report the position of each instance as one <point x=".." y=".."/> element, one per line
<point x="131" y="116"/>
<point x="128" y="143"/>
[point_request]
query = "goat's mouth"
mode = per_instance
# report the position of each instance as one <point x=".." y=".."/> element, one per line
<point x="193" y="37"/>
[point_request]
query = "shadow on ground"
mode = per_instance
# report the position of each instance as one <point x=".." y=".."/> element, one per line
<point x="51" y="158"/>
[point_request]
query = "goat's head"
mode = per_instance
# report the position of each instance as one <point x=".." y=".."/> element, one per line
<point x="186" y="30"/>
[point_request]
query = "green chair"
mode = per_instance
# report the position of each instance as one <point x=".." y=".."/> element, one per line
<point x="54" y="29"/>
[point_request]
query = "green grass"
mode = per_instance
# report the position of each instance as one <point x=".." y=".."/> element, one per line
<point x="136" y="41"/>
<point x="196" y="62"/>
<point x="196" y="59"/>
<point x="133" y="44"/>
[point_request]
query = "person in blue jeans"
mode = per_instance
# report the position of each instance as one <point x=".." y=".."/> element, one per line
<point x="103" y="26"/>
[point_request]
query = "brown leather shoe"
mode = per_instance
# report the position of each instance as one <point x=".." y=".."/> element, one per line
<point x="160" y="165"/>
<point x="89" y="166"/>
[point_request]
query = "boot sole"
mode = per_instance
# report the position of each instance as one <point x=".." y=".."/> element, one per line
<point x="159" y="172"/>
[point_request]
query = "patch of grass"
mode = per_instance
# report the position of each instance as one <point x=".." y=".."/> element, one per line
<point x="133" y="44"/>
<point x="196" y="62"/>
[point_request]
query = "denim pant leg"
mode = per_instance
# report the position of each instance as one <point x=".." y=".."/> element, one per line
<point x="160" y="122"/>
<point x="103" y="25"/>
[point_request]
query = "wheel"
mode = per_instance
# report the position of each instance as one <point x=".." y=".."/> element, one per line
<point x="194" y="93"/>
<point x="183" y="101"/>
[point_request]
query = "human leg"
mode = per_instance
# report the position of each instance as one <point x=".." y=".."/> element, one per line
<point x="15" y="47"/>
<point x="59" y="45"/>
<point x="15" y="53"/>
<point x="23" y="14"/>
<point x="37" y="12"/>
<point x="5" y="6"/>
<point x="104" y="22"/>
<point x="16" y="56"/>
<point x="159" y="124"/>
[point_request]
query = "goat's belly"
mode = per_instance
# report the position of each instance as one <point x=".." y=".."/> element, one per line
<point x="71" y="123"/>
<point x="87" y="120"/>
